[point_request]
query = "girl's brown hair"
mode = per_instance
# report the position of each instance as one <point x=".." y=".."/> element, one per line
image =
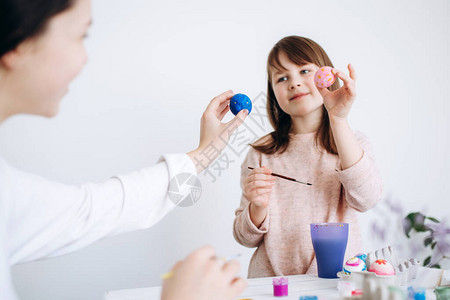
<point x="301" y="51"/>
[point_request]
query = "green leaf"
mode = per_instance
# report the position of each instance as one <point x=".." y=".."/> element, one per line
<point x="421" y="228"/>
<point x="412" y="217"/>
<point x="415" y="220"/>
<point x="433" y="245"/>
<point x="426" y="261"/>
<point x="436" y="266"/>
<point x="433" y="219"/>
<point x="428" y="241"/>
<point x="409" y="223"/>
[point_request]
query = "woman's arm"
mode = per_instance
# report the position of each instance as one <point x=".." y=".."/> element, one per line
<point x="47" y="219"/>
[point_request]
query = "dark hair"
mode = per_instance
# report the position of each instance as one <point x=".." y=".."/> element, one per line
<point x="301" y="51"/>
<point x="22" y="19"/>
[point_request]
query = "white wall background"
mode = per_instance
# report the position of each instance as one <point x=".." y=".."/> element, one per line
<point x="153" y="68"/>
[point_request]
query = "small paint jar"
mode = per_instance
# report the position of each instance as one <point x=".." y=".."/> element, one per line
<point x="280" y="286"/>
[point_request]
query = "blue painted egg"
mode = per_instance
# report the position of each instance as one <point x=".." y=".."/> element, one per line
<point x="361" y="256"/>
<point x="240" y="102"/>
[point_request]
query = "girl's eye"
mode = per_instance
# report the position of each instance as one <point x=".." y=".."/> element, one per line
<point x="305" y="71"/>
<point x="282" y="79"/>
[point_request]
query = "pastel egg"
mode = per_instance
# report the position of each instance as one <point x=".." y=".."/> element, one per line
<point x="362" y="256"/>
<point x="354" y="264"/>
<point x="382" y="267"/>
<point x="324" y="77"/>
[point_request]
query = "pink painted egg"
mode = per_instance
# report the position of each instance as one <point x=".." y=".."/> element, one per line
<point x="382" y="267"/>
<point x="324" y="77"/>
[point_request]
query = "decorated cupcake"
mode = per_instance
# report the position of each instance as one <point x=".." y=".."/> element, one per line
<point x="354" y="264"/>
<point x="381" y="267"/>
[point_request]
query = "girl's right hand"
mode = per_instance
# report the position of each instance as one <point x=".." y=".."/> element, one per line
<point x="258" y="187"/>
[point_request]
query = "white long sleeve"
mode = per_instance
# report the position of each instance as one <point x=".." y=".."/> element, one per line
<point x="40" y="218"/>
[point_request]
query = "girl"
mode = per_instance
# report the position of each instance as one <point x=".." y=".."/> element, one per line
<point x="312" y="142"/>
<point x="41" y="51"/>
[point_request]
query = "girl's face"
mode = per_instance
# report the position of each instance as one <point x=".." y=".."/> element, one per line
<point x="295" y="89"/>
<point x="47" y="63"/>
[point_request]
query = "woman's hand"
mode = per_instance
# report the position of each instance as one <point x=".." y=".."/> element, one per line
<point x="203" y="276"/>
<point x="338" y="103"/>
<point x="214" y="133"/>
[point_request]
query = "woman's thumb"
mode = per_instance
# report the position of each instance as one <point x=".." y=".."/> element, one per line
<point x="240" y="117"/>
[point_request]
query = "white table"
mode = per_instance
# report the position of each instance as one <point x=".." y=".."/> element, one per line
<point x="258" y="288"/>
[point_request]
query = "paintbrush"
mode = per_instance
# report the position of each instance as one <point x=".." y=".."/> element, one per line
<point x="285" y="177"/>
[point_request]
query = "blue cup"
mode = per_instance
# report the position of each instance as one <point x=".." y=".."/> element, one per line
<point x="329" y="242"/>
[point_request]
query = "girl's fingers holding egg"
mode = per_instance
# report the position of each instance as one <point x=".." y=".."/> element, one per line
<point x="323" y="91"/>
<point x="348" y="82"/>
<point x="352" y="72"/>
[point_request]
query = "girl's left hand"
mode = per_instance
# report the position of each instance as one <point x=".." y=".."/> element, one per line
<point x="338" y="103"/>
